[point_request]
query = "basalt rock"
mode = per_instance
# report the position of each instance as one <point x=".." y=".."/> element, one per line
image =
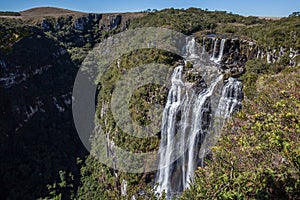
<point x="236" y="52"/>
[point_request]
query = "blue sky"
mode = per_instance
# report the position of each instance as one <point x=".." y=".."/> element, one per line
<point x="244" y="7"/>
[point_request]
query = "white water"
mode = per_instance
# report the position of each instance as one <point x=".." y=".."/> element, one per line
<point x="183" y="101"/>
<point x="213" y="57"/>
<point x="190" y="49"/>
<point x="231" y="98"/>
<point x="168" y="128"/>
<point x="124" y="188"/>
<point x="230" y="102"/>
<point x="221" y="50"/>
<point x="187" y="118"/>
<point x="198" y="109"/>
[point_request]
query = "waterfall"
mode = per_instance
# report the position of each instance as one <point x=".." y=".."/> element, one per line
<point x="230" y="102"/>
<point x="169" y="128"/>
<point x="231" y="99"/>
<point x="213" y="57"/>
<point x="184" y="120"/>
<point x="197" y="132"/>
<point x="190" y="48"/>
<point x="187" y="119"/>
<point x="221" y="50"/>
<point x="203" y="50"/>
<point x="124" y="188"/>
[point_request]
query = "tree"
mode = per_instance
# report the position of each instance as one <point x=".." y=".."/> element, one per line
<point x="295" y="14"/>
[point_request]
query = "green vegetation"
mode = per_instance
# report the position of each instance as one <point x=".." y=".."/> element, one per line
<point x="268" y="33"/>
<point x="11" y="31"/>
<point x="32" y="156"/>
<point x="99" y="181"/>
<point x="63" y="189"/>
<point x="276" y="33"/>
<point x="141" y="101"/>
<point x="295" y="14"/>
<point x="9" y="13"/>
<point x="191" y="20"/>
<point x="254" y="68"/>
<point x="258" y="156"/>
<point x="272" y="33"/>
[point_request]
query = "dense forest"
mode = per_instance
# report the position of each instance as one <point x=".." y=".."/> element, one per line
<point x="42" y="157"/>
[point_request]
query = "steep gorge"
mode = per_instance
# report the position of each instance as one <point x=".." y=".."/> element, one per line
<point x="39" y="68"/>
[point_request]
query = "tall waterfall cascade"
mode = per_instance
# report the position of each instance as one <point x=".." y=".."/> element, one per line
<point x="221" y="50"/>
<point x="213" y="56"/>
<point x="218" y="53"/>
<point x="190" y="50"/>
<point x="194" y="113"/>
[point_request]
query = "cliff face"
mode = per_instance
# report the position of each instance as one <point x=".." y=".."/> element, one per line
<point x="36" y="126"/>
<point x="232" y="53"/>
<point x="86" y="22"/>
<point x="37" y="71"/>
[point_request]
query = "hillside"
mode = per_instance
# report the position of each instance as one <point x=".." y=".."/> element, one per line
<point x="41" y="151"/>
<point x="258" y="155"/>
<point x="48" y="11"/>
<point x="39" y="13"/>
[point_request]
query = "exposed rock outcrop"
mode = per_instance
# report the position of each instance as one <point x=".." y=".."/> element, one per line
<point x="233" y="54"/>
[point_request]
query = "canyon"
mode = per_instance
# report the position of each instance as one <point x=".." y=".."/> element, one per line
<point x="40" y="55"/>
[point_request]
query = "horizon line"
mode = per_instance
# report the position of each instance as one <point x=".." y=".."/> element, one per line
<point x="139" y="11"/>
